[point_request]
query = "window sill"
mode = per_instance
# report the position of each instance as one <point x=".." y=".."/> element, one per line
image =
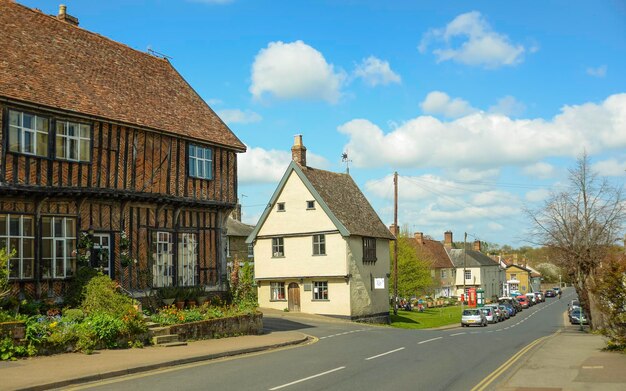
<point x="320" y="300"/>
<point x="279" y="256"/>
<point x="319" y="255"/>
<point x="278" y="300"/>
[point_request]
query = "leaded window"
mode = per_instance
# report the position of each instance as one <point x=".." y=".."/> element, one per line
<point x="320" y="290"/>
<point x="319" y="244"/>
<point x="58" y="247"/>
<point x="278" y="247"/>
<point x="17" y="234"/>
<point x="187" y="259"/>
<point x="28" y="133"/>
<point x="200" y="162"/>
<point x="162" y="256"/>
<point x="72" y="141"/>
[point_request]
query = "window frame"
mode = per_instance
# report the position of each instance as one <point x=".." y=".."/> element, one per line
<point x="280" y="207"/>
<point x="319" y="246"/>
<point x="160" y="258"/>
<point x="310" y="205"/>
<point x="444" y="273"/>
<point x="279" y="286"/>
<point x="78" y="139"/>
<point x="187" y="260"/>
<point x="369" y="250"/>
<point x="278" y="247"/>
<point x="69" y="253"/>
<point x="468" y="272"/>
<point x="194" y="161"/>
<point x="250" y="250"/>
<point x="320" y="295"/>
<point x="21" y="238"/>
<point x="21" y="134"/>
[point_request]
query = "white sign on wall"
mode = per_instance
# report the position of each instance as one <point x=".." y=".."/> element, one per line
<point x="379" y="283"/>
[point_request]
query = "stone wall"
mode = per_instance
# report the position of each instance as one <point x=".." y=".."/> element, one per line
<point x="219" y="328"/>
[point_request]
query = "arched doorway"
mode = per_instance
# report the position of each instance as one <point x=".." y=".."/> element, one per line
<point x="293" y="297"/>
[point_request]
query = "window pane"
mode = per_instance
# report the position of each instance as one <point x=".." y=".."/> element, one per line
<point x="70" y="228"/>
<point x="14" y="139"/>
<point x="192" y="166"/>
<point x="27" y="121"/>
<point x="14" y="268"/>
<point x="42" y="124"/>
<point x="192" y="151"/>
<point x="46" y="226"/>
<point x="14" y="226"/>
<point x="28" y="248"/>
<point x="58" y="228"/>
<point x="14" y="244"/>
<point x="200" y="170"/>
<point x="60" y="128"/>
<point x="46" y="248"/>
<point x="28" y="268"/>
<point x="72" y="150"/>
<point x="71" y="129"/>
<point x="208" y="154"/>
<point x="199" y="153"/>
<point x="14" y="118"/>
<point x="3" y="225"/>
<point x="207" y="169"/>
<point x="84" y="150"/>
<point x="85" y="131"/>
<point x="42" y="144"/>
<point x="29" y="142"/>
<point x="46" y="268"/>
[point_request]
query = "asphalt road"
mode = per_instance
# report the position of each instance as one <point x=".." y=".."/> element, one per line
<point x="351" y="356"/>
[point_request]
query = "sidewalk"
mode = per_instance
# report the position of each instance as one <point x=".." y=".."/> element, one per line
<point x="569" y="360"/>
<point x="65" y="369"/>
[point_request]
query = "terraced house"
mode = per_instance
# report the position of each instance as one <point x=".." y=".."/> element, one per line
<point x="109" y="157"/>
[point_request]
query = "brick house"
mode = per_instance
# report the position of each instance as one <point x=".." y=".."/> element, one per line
<point x="107" y="149"/>
<point x="442" y="269"/>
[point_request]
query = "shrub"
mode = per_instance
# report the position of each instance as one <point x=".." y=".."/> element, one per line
<point x="73" y="315"/>
<point x="106" y="328"/>
<point x="101" y="296"/>
<point x="73" y="296"/>
<point x="10" y="351"/>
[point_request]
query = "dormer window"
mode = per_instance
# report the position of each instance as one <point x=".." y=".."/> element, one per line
<point x="28" y="134"/>
<point x="200" y="162"/>
<point x="72" y="141"/>
<point x="280" y="207"/>
<point x="310" y="205"/>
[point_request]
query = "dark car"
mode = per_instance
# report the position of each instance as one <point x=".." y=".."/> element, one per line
<point x="550" y="293"/>
<point x="512" y="311"/>
<point x="577" y="316"/>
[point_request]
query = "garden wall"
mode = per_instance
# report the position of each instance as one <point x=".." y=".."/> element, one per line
<point x="14" y="330"/>
<point x="219" y="328"/>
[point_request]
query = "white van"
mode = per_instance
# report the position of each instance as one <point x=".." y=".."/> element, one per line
<point x="531" y="298"/>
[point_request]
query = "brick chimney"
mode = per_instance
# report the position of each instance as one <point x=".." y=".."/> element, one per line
<point x="298" y="151"/>
<point x="64" y="16"/>
<point x="419" y="237"/>
<point x="447" y="239"/>
<point x="394" y="230"/>
<point x="477" y="245"/>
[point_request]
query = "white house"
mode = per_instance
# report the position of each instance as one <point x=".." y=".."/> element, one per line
<point x="320" y="247"/>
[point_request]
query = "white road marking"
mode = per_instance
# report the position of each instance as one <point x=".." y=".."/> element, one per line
<point x="307" y="378"/>
<point x="429" y="340"/>
<point x="384" y="354"/>
<point x="452" y="335"/>
<point x="593" y="367"/>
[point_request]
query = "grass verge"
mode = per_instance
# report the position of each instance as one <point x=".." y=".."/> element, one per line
<point x="431" y="317"/>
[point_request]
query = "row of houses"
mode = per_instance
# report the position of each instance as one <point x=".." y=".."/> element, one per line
<point x="109" y="158"/>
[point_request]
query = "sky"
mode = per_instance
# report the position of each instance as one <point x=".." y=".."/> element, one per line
<point x="481" y="107"/>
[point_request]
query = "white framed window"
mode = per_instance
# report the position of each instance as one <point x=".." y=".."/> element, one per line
<point x="319" y="244"/>
<point x="162" y="256"/>
<point x="278" y="247"/>
<point x="277" y="291"/>
<point x="187" y="259"/>
<point x="72" y="141"/>
<point x="280" y="207"/>
<point x="250" y="250"/>
<point x="310" y="205"/>
<point x="468" y="274"/>
<point x="28" y="133"/>
<point x="320" y="290"/>
<point x="17" y="233"/>
<point x="58" y="247"/>
<point x="200" y="162"/>
<point x="102" y="247"/>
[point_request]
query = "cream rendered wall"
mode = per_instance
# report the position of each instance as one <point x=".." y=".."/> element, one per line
<point x="460" y="275"/>
<point x="363" y="299"/>
<point x="338" y="297"/>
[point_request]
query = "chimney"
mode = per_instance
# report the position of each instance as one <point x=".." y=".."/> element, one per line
<point x="447" y="239"/>
<point x="64" y="16"/>
<point x="236" y="213"/>
<point x="419" y="237"/>
<point x="394" y="230"/>
<point x="298" y="151"/>
<point x="477" y="245"/>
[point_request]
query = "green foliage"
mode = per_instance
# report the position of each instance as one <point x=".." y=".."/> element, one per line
<point x="171" y="315"/>
<point x="242" y="289"/>
<point x="106" y="328"/>
<point x="102" y="296"/>
<point x="4" y="272"/>
<point x="414" y="277"/>
<point x="74" y="294"/>
<point x="73" y="315"/>
<point x="610" y="290"/>
<point x="11" y="351"/>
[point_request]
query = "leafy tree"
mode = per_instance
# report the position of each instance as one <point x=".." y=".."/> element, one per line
<point x="414" y="276"/>
<point x="611" y="292"/>
<point x="580" y="225"/>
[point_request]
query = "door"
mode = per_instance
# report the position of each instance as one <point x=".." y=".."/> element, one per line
<point x="102" y="253"/>
<point x="294" y="297"/>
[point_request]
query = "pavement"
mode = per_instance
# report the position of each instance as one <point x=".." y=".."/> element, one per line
<point x="567" y="360"/>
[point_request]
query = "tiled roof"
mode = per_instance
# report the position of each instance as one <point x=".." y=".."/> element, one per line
<point x="347" y="202"/>
<point x="49" y="62"/>
<point x="439" y="256"/>
<point x="474" y="258"/>
<point x="237" y="228"/>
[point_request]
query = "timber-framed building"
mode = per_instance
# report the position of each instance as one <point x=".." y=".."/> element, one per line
<point x="109" y="146"/>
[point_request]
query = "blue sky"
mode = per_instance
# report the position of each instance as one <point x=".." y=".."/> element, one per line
<point x="479" y="106"/>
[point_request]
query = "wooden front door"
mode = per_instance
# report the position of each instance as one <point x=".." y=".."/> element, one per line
<point x="294" y="297"/>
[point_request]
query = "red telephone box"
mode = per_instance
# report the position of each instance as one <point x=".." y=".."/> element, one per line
<point x="471" y="297"/>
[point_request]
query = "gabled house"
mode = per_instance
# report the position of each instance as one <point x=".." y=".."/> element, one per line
<point x="518" y="279"/>
<point x="320" y="247"/>
<point x="236" y="235"/>
<point x="444" y="271"/>
<point x="475" y="270"/>
<point x="108" y="158"/>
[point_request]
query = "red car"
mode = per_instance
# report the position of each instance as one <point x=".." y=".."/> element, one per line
<point x="523" y="301"/>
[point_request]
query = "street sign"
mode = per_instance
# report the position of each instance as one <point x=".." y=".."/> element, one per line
<point x="379" y="283"/>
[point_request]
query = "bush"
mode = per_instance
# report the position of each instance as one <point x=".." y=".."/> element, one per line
<point x="101" y="296"/>
<point x="73" y="296"/>
<point x="73" y="315"/>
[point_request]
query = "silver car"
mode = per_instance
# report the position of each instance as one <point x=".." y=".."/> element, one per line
<point x="473" y="317"/>
<point x="489" y="314"/>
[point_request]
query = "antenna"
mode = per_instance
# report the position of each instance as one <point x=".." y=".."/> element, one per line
<point x="345" y="159"/>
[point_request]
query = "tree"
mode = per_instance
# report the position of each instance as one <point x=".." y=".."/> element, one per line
<point x="414" y="275"/>
<point x="4" y="272"/>
<point x="579" y="226"/>
<point x="610" y="289"/>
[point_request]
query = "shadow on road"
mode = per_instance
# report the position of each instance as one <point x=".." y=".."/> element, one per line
<point x="281" y="324"/>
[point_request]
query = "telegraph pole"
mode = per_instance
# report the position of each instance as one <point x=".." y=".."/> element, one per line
<point x="464" y="267"/>
<point x="395" y="247"/>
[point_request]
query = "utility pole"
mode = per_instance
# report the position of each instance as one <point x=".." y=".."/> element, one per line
<point x="464" y="267"/>
<point x="395" y="247"/>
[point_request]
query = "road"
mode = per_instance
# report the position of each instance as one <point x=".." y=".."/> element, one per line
<point x="351" y="356"/>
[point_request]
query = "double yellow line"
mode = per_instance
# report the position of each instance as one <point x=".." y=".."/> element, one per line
<point x="494" y="375"/>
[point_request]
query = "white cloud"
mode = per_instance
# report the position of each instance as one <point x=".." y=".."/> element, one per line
<point x="260" y="165"/>
<point x="491" y="197"/>
<point x="611" y="167"/>
<point x="295" y="71"/>
<point x="537" y="195"/>
<point x="236" y="116"/>
<point x="437" y="102"/>
<point x="375" y="71"/>
<point x="481" y="46"/>
<point x="508" y="106"/>
<point x="482" y="140"/>
<point x="597" y="72"/>
<point x="495" y="226"/>
<point x="539" y="170"/>
<point x="469" y="174"/>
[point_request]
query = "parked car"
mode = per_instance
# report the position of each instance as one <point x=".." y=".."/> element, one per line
<point x="504" y="311"/>
<point x="540" y="297"/>
<point x="577" y="316"/>
<point x="473" y="317"/>
<point x="523" y="301"/>
<point x="509" y="308"/>
<point x="556" y="289"/>
<point x="572" y="305"/>
<point x="511" y="301"/>
<point x="490" y="314"/>
<point x="550" y="293"/>
<point x="497" y="310"/>
<point x="532" y="299"/>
